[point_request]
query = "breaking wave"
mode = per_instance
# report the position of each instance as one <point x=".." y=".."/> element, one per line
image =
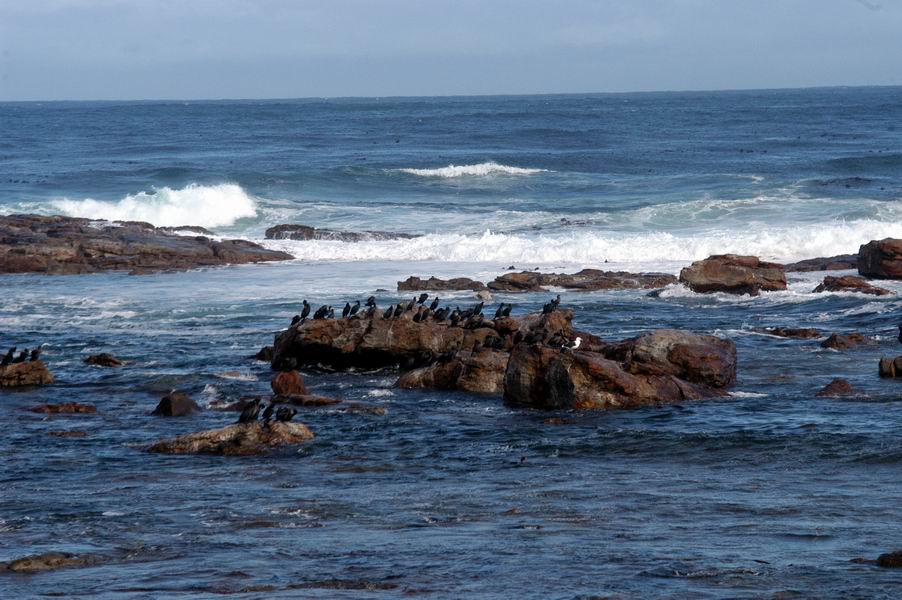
<point x="477" y="170"/>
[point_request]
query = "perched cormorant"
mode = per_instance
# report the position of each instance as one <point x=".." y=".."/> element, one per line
<point x="295" y="319"/>
<point x="250" y="412"/>
<point x="434" y="304"/>
<point x="371" y="312"/>
<point x="346" y="311"/>
<point x="36" y="353"/>
<point x="321" y="312"/>
<point x="22" y="356"/>
<point x="331" y="313"/>
<point x="478" y="308"/>
<point x="398" y="311"/>
<point x="900" y="334"/>
<point x="371" y="301"/>
<point x="455" y="318"/>
<point x="500" y="312"/>
<point x="557" y="301"/>
<point x="411" y="304"/>
<point x="285" y="414"/>
<point x="388" y="312"/>
<point x="548" y="309"/>
<point x="306" y="310"/>
<point x="9" y="357"/>
<point x="419" y="316"/>
<point x="267" y="413"/>
<point x="355" y="308"/>
<point x="422" y="298"/>
<point x="507" y="311"/>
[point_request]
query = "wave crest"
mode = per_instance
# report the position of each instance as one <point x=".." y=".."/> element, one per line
<point x="476" y="170"/>
<point x="202" y="205"/>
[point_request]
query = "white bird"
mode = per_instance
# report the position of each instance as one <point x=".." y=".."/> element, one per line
<point x="576" y="343"/>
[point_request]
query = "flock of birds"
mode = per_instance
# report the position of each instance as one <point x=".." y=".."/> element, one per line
<point x="251" y="412"/>
<point x="11" y="359"/>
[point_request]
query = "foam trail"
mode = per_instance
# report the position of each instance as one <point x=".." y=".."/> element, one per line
<point x="204" y="205"/>
<point x="476" y="170"/>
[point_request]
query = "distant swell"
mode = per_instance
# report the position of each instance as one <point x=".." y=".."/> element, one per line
<point x="477" y="170"/>
<point x="207" y="206"/>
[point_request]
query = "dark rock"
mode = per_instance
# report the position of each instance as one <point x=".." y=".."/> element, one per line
<point x="379" y="411"/>
<point x="434" y="284"/>
<point x="175" y="404"/>
<point x="64" y="245"/>
<point x="265" y="354"/>
<point x="881" y="259"/>
<point x="479" y="372"/>
<point x="842" y="262"/>
<point x="307" y="400"/>
<point x="733" y="274"/>
<point x="849" y="283"/>
<point x="64" y="408"/>
<point x="185" y="229"/>
<point x="25" y="374"/>
<point x="890" y="560"/>
<point x="891" y="367"/>
<point x="585" y="280"/>
<point x="77" y="433"/>
<point x="845" y="341"/>
<point x="800" y="333"/>
<point x="240" y="439"/>
<point x="104" y="360"/>
<point x="49" y="561"/>
<point x="305" y="233"/>
<point x="837" y="388"/>
<point x="288" y="383"/>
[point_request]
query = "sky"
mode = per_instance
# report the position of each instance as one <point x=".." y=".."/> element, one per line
<point x="193" y="49"/>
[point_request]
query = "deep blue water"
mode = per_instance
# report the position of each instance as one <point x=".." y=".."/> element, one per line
<point x="769" y="491"/>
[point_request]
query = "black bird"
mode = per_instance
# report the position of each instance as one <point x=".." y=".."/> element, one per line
<point x="478" y="308"/>
<point x="371" y="301"/>
<point x="267" y="414"/>
<point x="548" y="309"/>
<point x="321" y="312"/>
<point x="22" y="356"/>
<point x="434" y="304"/>
<point x="346" y="311"/>
<point x="900" y="334"/>
<point x="422" y="298"/>
<point x="557" y="301"/>
<point x="296" y="319"/>
<point x="285" y="414"/>
<point x="355" y="308"/>
<point x="398" y="312"/>
<point x="331" y="313"/>
<point x="455" y="318"/>
<point x="411" y="304"/>
<point x="507" y="311"/>
<point x="388" y="312"/>
<point x="500" y="312"/>
<point x="419" y="316"/>
<point x="9" y="357"/>
<point x="250" y="412"/>
<point x="306" y="310"/>
<point x="371" y="312"/>
<point x="36" y="353"/>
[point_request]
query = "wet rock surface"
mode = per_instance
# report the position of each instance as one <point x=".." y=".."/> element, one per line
<point x="881" y="259"/>
<point x="802" y="333"/>
<point x="846" y="341"/>
<point x="479" y="371"/>
<point x="64" y="408"/>
<point x="849" y="283"/>
<point x="305" y="233"/>
<point x="175" y="404"/>
<point x="50" y="561"/>
<point x="30" y="373"/>
<point x="103" y="359"/>
<point x="288" y="383"/>
<point x="434" y="284"/>
<point x="733" y="274"/>
<point x="240" y="439"/>
<point x="585" y="280"/>
<point x="841" y="262"/>
<point x="65" y="245"/>
<point x="890" y="367"/>
<point x="837" y="388"/>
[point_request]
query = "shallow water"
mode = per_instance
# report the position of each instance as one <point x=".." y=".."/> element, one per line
<point x="769" y="491"/>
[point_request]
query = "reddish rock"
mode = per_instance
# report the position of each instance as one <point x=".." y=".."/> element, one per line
<point x="585" y="280"/>
<point x="240" y="439"/>
<point x="264" y="354"/>
<point x="837" y="388"/>
<point x="887" y="367"/>
<point x="845" y="341"/>
<point x="288" y="383"/>
<point x="175" y="404"/>
<point x="801" y="333"/>
<point x="479" y="372"/>
<point x="25" y="374"/>
<point x="50" y="561"/>
<point x="434" y="284"/>
<point x="881" y="259"/>
<point x="307" y="400"/>
<point x="849" y="283"/>
<point x="64" y="408"/>
<point x="733" y="274"/>
<point x="842" y="262"/>
<point x="103" y="360"/>
<point x="890" y="560"/>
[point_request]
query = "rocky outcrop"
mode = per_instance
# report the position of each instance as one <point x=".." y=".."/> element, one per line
<point x="306" y="233"/>
<point x="803" y="333"/>
<point x="846" y="341"/>
<point x="264" y="354"/>
<point x="890" y="560"/>
<point x="733" y="274"/>
<point x="881" y="259"/>
<point x="841" y="262"/>
<point x="836" y="389"/>
<point x="175" y="404"/>
<point x="240" y="439"/>
<point x="479" y="371"/>
<point x="890" y="367"/>
<point x="103" y="360"/>
<point x="64" y="245"/>
<point x="25" y="374"/>
<point x="658" y="367"/>
<point x="434" y="284"/>
<point x="585" y="280"/>
<point x="67" y="408"/>
<point x="288" y="383"/>
<point x="849" y="283"/>
<point x="49" y="561"/>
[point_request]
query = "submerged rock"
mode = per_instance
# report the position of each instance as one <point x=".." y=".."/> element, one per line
<point x="788" y="332"/>
<point x="881" y="259"/>
<point x="837" y="388"/>
<point x="103" y="360"/>
<point x="841" y="262"/>
<point x="288" y="383"/>
<point x="585" y="280"/>
<point x="264" y="354"/>
<point x="845" y="341"/>
<point x="434" y="284"/>
<point x="305" y="233"/>
<point x="64" y="408"/>
<point x="240" y="439"/>
<point x="890" y="367"/>
<point x="733" y="274"/>
<point x="65" y="245"/>
<point x="175" y="404"/>
<point x="25" y="374"/>
<point x="50" y="561"/>
<point x="890" y="560"/>
<point x="849" y="283"/>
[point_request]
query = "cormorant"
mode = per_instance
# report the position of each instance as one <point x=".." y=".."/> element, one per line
<point x="507" y="311"/>
<point x="398" y="311"/>
<point x="371" y="312"/>
<point x="9" y="357"/>
<point x="900" y="334"/>
<point x="419" y="316"/>
<point x="422" y="298"/>
<point x="22" y="356"/>
<point x="557" y="301"/>
<point x="455" y="318"/>
<point x="388" y="312"/>
<point x="306" y="310"/>
<point x="371" y="301"/>
<point x="295" y="319"/>
<point x="548" y="309"/>
<point x="346" y="311"/>
<point x="267" y="413"/>
<point x="478" y="308"/>
<point x="355" y="308"/>
<point x="411" y="304"/>
<point x="500" y="312"/>
<point x="331" y="313"/>
<point x="321" y="312"/>
<point x="434" y="304"/>
<point x="285" y="414"/>
<point x="250" y="412"/>
<point x="36" y="353"/>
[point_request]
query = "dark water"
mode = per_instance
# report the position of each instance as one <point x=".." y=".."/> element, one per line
<point x="769" y="492"/>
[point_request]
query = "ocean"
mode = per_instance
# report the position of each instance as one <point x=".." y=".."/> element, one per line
<point x="769" y="492"/>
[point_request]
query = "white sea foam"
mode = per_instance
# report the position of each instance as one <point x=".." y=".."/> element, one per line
<point x="204" y="205"/>
<point x="476" y="170"/>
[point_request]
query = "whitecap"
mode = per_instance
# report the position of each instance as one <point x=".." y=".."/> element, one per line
<point x="474" y="170"/>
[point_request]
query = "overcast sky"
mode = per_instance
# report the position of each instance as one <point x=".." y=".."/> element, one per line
<point x="186" y="49"/>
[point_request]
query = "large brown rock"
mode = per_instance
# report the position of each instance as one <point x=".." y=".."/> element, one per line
<point x="240" y="439"/>
<point x="890" y="367"/>
<point x="64" y="245"/>
<point x="881" y="259"/>
<point x="800" y="333"/>
<point x="50" y="561"/>
<point x="585" y="280"/>
<point x="849" y="283"/>
<point x="103" y="359"/>
<point x="733" y="274"/>
<point x="288" y="383"/>
<point x="434" y="284"/>
<point x="836" y="389"/>
<point x="175" y="404"/>
<point x="25" y="374"/>
<point x="846" y="341"/>
<point x="479" y="372"/>
<point x="659" y="367"/>
<point x="841" y="262"/>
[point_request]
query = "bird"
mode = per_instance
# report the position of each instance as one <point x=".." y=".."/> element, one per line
<point x="419" y="316"/>
<point x="478" y="308"/>
<point x="9" y="357"/>
<point x="371" y="301"/>
<point x="267" y="413"/>
<point x="321" y="312"/>
<point x="388" y="312"/>
<point x="398" y="312"/>
<point x="411" y="304"/>
<point x="306" y="310"/>
<point x="355" y="308"/>
<point x="371" y="312"/>
<point x="22" y="356"/>
<point x="500" y="311"/>
<point x="422" y="298"/>
<point x="548" y="309"/>
<point x="285" y="414"/>
<point x="900" y="334"/>
<point x="557" y="301"/>
<point x="250" y="412"/>
<point x="346" y="311"/>
<point x="331" y="313"/>
<point x="507" y="311"/>
<point x="573" y="346"/>
<point x="36" y="353"/>
<point x="296" y="319"/>
<point x="434" y="304"/>
<point x="455" y="318"/>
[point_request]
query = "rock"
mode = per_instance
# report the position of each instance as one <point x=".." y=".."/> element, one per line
<point x="891" y="367"/>
<point x="64" y="408"/>
<point x="585" y="280"/>
<point x="24" y="374"/>
<point x="184" y="229"/>
<point x="881" y="259"/>
<point x="305" y="233"/>
<point x="478" y="372"/>
<point x="65" y="245"/>
<point x="890" y="560"/>
<point x="357" y="408"/>
<point x="484" y="295"/>
<point x="661" y="366"/>
<point x="845" y="341"/>
<point x="849" y="283"/>
<point x="801" y="333"/>
<point x="434" y="284"/>
<point x="733" y="274"/>
<point x="103" y="360"/>
<point x="837" y="388"/>
<point x="307" y="400"/>
<point x="288" y="383"/>
<point x="842" y="262"/>
<point x="77" y="433"/>
<point x="265" y="354"/>
<point x="175" y="404"/>
<point x="240" y="439"/>
<point x="49" y="561"/>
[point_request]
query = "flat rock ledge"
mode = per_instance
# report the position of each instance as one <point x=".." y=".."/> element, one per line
<point x="50" y="561"/>
<point x="240" y="439"/>
<point x="434" y="284"/>
<point x="733" y="274"/>
<point x="306" y="233"/>
<point x="585" y="280"/>
<point x="849" y="283"/>
<point x="841" y="262"/>
<point x="25" y="374"/>
<point x="65" y="245"/>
